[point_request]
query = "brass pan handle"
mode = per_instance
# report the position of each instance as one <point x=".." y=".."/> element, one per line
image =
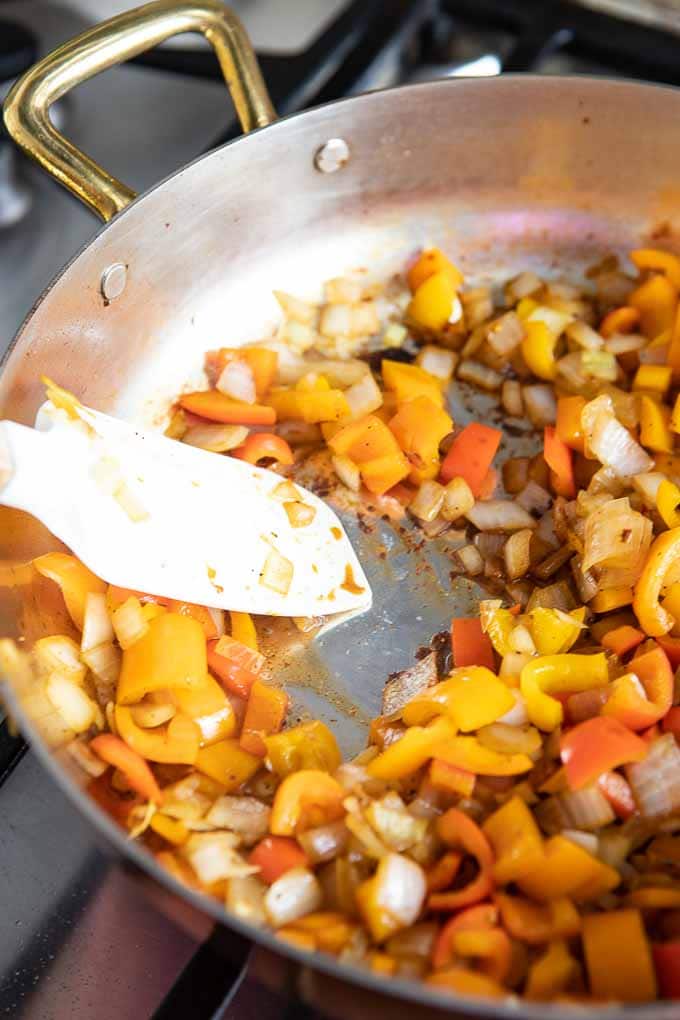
<point x="26" y="109"/>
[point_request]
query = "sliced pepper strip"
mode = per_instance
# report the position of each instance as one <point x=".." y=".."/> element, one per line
<point x="470" y="455"/>
<point x="478" y="918"/>
<point x="264" y="446"/>
<point x="516" y="840"/>
<point x="116" y="752"/>
<point x="659" y="261"/>
<point x="558" y="674"/>
<point x="410" y="752"/>
<point x="639" y="710"/>
<point x="307" y="798"/>
<point x="470" y="646"/>
<point x="653" y="618"/>
<point x="457" y="829"/>
<point x="215" y="406"/>
<point x="467" y="753"/>
<point x="471" y="697"/>
<point x="243" y="629"/>
<point x="598" y="745"/>
<point x="552" y="973"/>
<point x="536" y="923"/>
<point x="490" y="947"/>
<point x="618" y="956"/>
<point x="275" y="855"/>
<point x="558" y="457"/>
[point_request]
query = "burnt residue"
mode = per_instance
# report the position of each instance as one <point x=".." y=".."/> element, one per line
<point x="403" y="354"/>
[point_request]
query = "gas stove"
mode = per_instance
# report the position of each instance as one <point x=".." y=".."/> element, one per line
<point x="77" y="937"/>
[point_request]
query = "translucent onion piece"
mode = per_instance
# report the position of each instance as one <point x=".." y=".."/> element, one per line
<point x="104" y="663"/>
<point x="617" y="537"/>
<point x="499" y="515"/>
<point x="655" y="781"/>
<point x="58" y="654"/>
<point x="216" y="438"/>
<point x="471" y="560"/>
<point x="149" y="715"/>
<point x="479" y="375"/>
<point x="277" y="573"/>
<point x="213" y="856"/>
<point x="524" y="285"/>
<point x="363" y="396"/>
<point x="438" y="361"/>
<point x="584" y="335"/>
<point x="415" y="941"/>
<point x="586" y="840"/>
<point x="511" y="398"/>
<point x="324" y="842"/>
<point x="89" y="762"/>
<point x="395" y="826"/>
<point x="292" y="896"/>
<point x="647" y="484"/>
<point x="237" y="380"/>
<point x="347" y="471"/>
<point x="245" y="816"/>
<point x="428" y="501"/>
<point x="508" y="739"/>
<point x="610" y="442"/>
<point x="299" y="514"/>
<point x="534" y="498"/>
<point x="400" y="888"/>
<point x="343" y="290"/>
<point x="245" y="898"/>
<point x="129" y="622"/>
<point x="294" y="308"/>
<point x="97" y="626"/>
<point x="76" y="709"/>
<point x="506" y="334"/>
<point x="586" y="809"/>
<point x="540" y="404"/>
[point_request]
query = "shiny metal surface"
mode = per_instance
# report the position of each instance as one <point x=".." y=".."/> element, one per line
<point x="546" y="174"/>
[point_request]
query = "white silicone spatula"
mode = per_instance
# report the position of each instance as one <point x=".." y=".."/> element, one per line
<point x="149" y="513"/>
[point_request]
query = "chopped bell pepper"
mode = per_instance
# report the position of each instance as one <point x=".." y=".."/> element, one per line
<point x="656" y="300"/>
<point x="671" y="722"/>
<point x="264" y="446"/>
<point x="116" y="752"/>
<point x="470" y="455"/>
<point x="74" y="579"/>
<point x="431" y="306"/>
<point x="442" y="873"/>
<point x="262" y="362"/>
<point x="174" y="744"/>
<point x="411" y="751"/>
<point x="598" y="745"/>
<point x="622" y="640"/>
<point x="450" y="779"/>
<point x="311" y="406"/>
<point x="470" y="645"/>
<point x="611" y="598"/>
<point x="172" y="830"/>
<point x="554" y="631"/>
<point x="215" y="406"/>
<point x="467" y="753"/>
<point x="210" y="709"/>
<point x="310" y="745"/>
<point x="558" y="457"/>
<point x="537" y="923"/>
<point x="618" y="956"/>
<point x="655" y="898"/>
<point x="235" y="663"/>
<point x="170" y="655"/>
<point x="471" y="697"/>
<point x="275" y="855"/>
<point x="481" y="917"/>
<point x="656" y="378"/>
<point x="568" y="871"/>
<point x="497" y="624"/>
<point x="655" y="432"/>
<point x="568" y="424"/>
<point x="243" y="629"/>
<point x="265" y="715"/>
<point x="516" y="840"/>
<point x="199" y="613"/>
<point x="675" y="415"/>
<point x="491" y="948"/>
<point x="659" y="261"/>
<point x="429" y="262"/>
<point x="653" y="619"/>
<point x="640" y="709"/>
<point x="227" y="763"/>
<point x="458" y="830"/>
<point x="384" y="473"/>
<point x="538" y="350"/>
<point x="667" y="966"/>
<point x="304" y="800"/>
<point x="558" y="674"/>
<point x="410" y="381"/>
<point x="668" y="503"/>
<point x="551" y="975"/>
<point x="619" y="320"/>
<point x="419" y="426"/>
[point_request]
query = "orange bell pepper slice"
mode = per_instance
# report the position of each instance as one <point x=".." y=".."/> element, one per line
<point x="568" y="871"/>
<point x="419" y="426"/>
<point x="264" y="446"/>
<point x="470" y="645"/>
<point x="598" y="745"/>
<point x="664" y="551"/>
<point x="633" y="709"/>
<point x="471" y="454"/>
<point x="660" y="261"/>
<point x="215" y="406"/>
<point x="471" y="696"/>
<point x="210" y="709"/>
<point x="199" y="613"/>
<point x="618" y="956"/>
<point x="457" y="829"/>
<point x="671" y="722"/>
<point x="622" y="640"/>
<point x="429" y="262"/>
<point x="481" y="917"/>
<point x="516" y="840"/>
<point x="74" y="579"/>
<point x="413" y="750"/>
<point x="243" y="629"/>
<point x="656" y="300"/>
<point x="558" y="457"/>
<point x="235" y="664"/>
<point x="619" y="320"/>
<point x="116" y="805"/>
<point x="491" y="948"/>
<point x="552" y="973"/>
<point x="673" y="356"/>
<point x="671" y="646"/>
<point x="116" y="752"/>
<point x="442" y="873"/>
<point x="170" y="655"/>
<point x="310" y="745"/>
<point x="431" y="306"/>
<point x="364" y="440"/>
<point x="265" y="714"/>
<point x="536" y="923"/>
<point x="227" y="763"/>
<point x="451" y="779"/>
<point x="467" y="753"/>
<point x="568" y="424"/>
<point x="619" y="794"/>
<point x="175" y="744"/>
<point x="306" y="799"/>
<point x="275" y="855"/>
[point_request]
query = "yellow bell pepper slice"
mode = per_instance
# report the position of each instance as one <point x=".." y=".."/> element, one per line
<point x="174" y="744"/>
<point x="618" y="956"/>
<point x="611" y="598"/>
<point x="538" y="350"/>
<point x="243" y="629"/>
<point x="557" y="674"/>
<point x="74" y="579"/>
<point x="668" y="503"/>
<point x="656" y="300"/>
<point x="653" y="377"/>
<point x="410" y="381"/>
<point x="210" y="709"/>
<point x="652" y="617"/>
<point x="471" y="697"/>
<point x="467" y="753"/>
<point x="671" y="603"/>
<point x="431" y="306"/>
<point x="516" y="840"/>
<point x="412" y="750"/>
<point x="171" y="829"/>
<point x="310" y="745"/>
<point x="525" y="307"/>
<point x="306" y="799"/>
<point x="172" y="654"/>
<point x="432" y="261"/>
<point x="498" y="624"/>
<point x="659" y="261"/>
<point x="655" y="432"/>
<point x="419" y="426"/>
<point x="568" y="870"/>
<point x="675" y="416"/>
<point x="227" y="763"/>
<point x="313" y="406"/>
<point x="552" y="973"/>
<point x="553" y="631"/>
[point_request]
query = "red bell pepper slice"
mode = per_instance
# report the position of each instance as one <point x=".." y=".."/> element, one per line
<point x="275" y="855"/>
<point x="470" y="455"/>
<point x="598" y="745"/>
<point x="667" y="965"/>
<point x="470" y="645"/>
<point x="626" y="702"/>
<point x="264" y="446"/>
<point x="236" y="665"/>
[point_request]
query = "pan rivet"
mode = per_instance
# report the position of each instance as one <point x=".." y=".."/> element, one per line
<point x="113" y="281"/>
<point x="332" y="155"/>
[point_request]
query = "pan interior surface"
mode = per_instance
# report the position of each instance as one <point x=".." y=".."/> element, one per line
<point x="503" y="175"/>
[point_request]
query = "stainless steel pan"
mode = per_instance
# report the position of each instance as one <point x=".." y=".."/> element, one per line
<point x="506" y="173"/>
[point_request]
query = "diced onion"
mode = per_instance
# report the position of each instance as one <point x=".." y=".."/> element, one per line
<point x="554" y="320"/>
<point x="284" y="491"/>
<point x="655" y="781"/>
<point x="477" y="304"/>
<point x="216" y="438"/>
<point x="471" y="560"/>
<point x="624" y="343"/>
<point x="58" y="654"/>
<point x="97" y="627"/>
<point x="516" y="553"/>
<point x="104" y="663"/>
<point x="534" y="498"/>
<point x="505" y="334"/>
<point x="586" y="809"/>
<point x="236" y="380"/>
<point x="277" y="572"/>
<point x="342" y="290"/>
<point x="89" y="762"/>
<point x="347" y="471"/>
<point x="428" y="501"/>
<point x="294" y="308"/>
<point x="654" y="355"/>
<point x="540" y="404"/>
<point x="511" y="398"/>
<point x="300" y="514"/>
<point x="584" y="335"/>
<point x="129" y="622"/>
<point x="586" y="840"/>
<point x="614" y="847"/>
<point x="395" y="826"/>
<point x="291" y="896"/>
<point x="617" y="537"/>
<point x="415" y="941"/>
<point x="298" y="336"/>
<point x="499" y="515"/>
<point x="647" y="484"/>
<point x="610" y="442"/>
<point x="438" y="361"/>
<point x="245" y="898"/>
<point x="149" y="715"/>
<point x="517" y="715"/>
<point x="364" y="396"/>
<point x="458" y="499"/>
<point x="599" y="365"/>
<point x="324" y="842"/>
<point x="76" y="709"/>
<point x="400" y="888"/>
<point x="507" y="739"/>
<point x="521" y="286"/>
<point x="245" y="816"/>
<point x="185" y="801"/>
<point x="479" y="375"/>
<point x="213" y="856"/>
<point x="394" y="335"/>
